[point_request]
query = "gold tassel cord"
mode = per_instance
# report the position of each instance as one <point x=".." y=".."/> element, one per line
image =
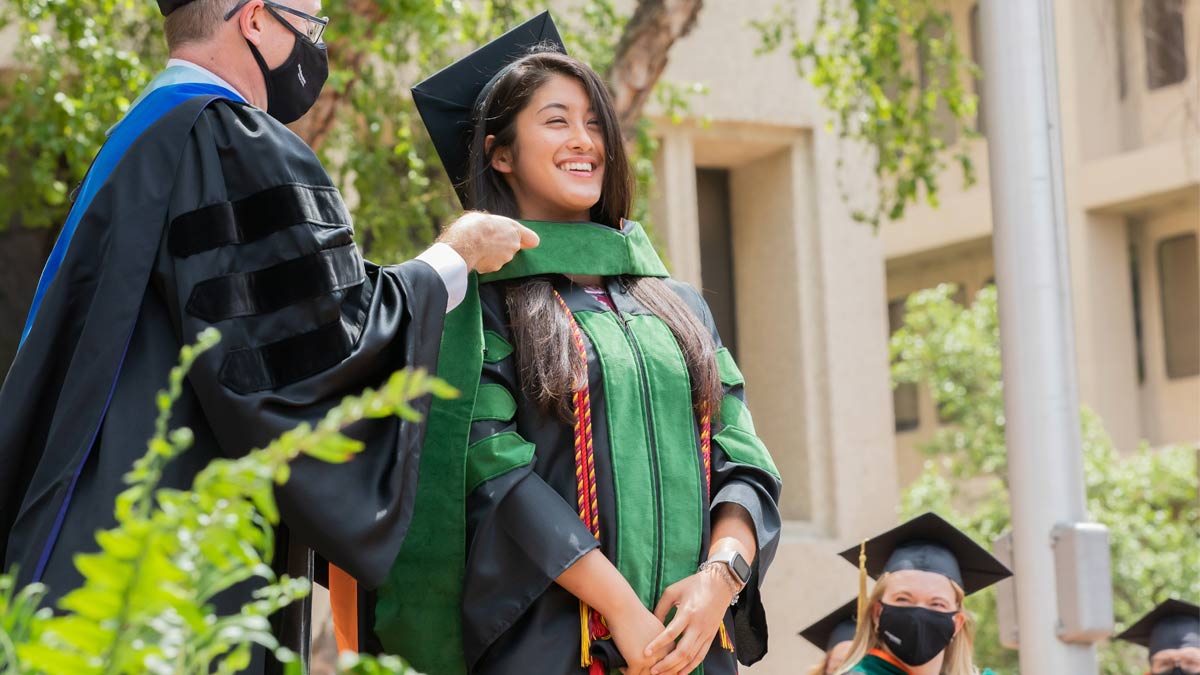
<point x="862" y="584"/>
<point x="585" y="638"/>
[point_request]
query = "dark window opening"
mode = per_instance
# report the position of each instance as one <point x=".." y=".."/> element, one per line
<point x="944" y="121"/>
<point x="977" y="57"/>
<point x="960" y="297"/>
<point x="1135" y="285"/>
<point x="1166" y="51"/>
<point x="1118" y="10"/>
<point x="1179" y="290"/>
<point x="716" y="252"/>
<point x="905" y="399"/>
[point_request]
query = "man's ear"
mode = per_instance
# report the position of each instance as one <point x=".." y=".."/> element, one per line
<point x="251" y="20"/>
<point x="502" y="159"/>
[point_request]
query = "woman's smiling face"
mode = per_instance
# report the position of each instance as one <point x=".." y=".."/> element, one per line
<point x="556" y="167"/>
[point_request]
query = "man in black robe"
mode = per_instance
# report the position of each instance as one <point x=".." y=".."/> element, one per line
<point x="202" y="210"/>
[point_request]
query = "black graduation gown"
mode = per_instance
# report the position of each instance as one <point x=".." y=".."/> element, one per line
<point x="217" y="216"/>
<point x="523" y="527"/>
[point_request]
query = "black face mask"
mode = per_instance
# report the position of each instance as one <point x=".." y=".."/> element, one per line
<point x="1177" y="670"/>
<point x="914" y="634"/>
<point x="294" y="86"/>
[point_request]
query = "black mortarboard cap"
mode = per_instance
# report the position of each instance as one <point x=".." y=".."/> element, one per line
<point x="1172" y="625"/>
<point x="837" y="626"/>
<point x="931" y="544"/>
<point x="448" y="99"/>
<point x="168" y="6"/>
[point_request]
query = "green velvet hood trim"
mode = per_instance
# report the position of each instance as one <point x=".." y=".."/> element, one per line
<point x="418" y="610"/>
<point x="584" y="248"/>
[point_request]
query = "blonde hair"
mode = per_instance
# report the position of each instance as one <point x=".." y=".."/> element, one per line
<point x="196" y="21"/>
<point x="960" y="653"/>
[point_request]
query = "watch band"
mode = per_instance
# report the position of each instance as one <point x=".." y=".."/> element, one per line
<point x="734" y="562"/>
<point x="733" y="567"/>
<point x="723" y="571"/>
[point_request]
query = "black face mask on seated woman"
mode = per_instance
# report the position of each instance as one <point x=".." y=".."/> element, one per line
<point x="915" y="634"/>
<point x="914" y="616"/>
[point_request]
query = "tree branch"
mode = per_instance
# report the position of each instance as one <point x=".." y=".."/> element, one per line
<point x="642" y="53"/>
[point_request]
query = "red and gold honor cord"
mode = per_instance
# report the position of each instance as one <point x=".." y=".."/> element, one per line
<point x="592" y="626"/>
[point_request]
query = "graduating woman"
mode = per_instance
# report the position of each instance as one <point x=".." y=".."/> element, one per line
<point x="619" y="509"/>
<point x="913" y="622"/>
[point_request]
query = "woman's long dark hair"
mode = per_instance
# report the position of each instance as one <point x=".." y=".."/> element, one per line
<point x="541" y="332"/>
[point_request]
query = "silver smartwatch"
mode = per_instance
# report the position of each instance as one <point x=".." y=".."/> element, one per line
<point x="735" y="563"/>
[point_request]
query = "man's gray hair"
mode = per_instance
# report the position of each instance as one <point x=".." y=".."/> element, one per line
<point x="196" y="21"/>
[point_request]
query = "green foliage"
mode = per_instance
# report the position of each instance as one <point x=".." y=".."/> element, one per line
<point x="145" y="605"/>
<point x="86" y="61"/>
<point x="892" y="73"/>
<point x="75" y="82"/>
<point x="1147" y="498"/>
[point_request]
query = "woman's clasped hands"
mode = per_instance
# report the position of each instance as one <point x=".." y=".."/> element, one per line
<point x="652" y="645"/>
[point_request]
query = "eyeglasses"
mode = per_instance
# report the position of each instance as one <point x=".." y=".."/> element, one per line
<point x="314" y="26"/>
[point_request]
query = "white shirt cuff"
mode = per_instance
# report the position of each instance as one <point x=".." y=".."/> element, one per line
<point x="451" y="267"/>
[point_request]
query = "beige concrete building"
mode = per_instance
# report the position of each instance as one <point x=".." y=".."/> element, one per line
<point x="749" y="208"/>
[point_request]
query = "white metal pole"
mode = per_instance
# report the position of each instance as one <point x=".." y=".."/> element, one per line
<point x="1036" y="331"/>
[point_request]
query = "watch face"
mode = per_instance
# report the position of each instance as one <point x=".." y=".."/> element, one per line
<point x="740" y="567"/>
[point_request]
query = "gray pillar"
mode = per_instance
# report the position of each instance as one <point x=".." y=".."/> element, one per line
<point x="1037" y="340"/>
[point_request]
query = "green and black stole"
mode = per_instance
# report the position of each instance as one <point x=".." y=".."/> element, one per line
<point x="418" y="613"/>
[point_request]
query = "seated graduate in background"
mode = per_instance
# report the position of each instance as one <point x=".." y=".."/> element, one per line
<point x="1171" y="633"/>
<point x="913" y="622"/>
<point x="613" y="478"/>
<point x="833" y="634"/>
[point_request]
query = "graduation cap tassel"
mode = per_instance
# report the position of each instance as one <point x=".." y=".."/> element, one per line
<point x="585" y="635"/>
<point x="862" y="584"/>
<point x="726" y="643"/>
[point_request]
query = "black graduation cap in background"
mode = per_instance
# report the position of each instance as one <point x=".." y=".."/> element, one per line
<point x="931" y="544"/>
<point x="447" y="100"/>
<point x="1171" y="625"/>
<point x="837" y="626"/>
<point x="168" y="6"/>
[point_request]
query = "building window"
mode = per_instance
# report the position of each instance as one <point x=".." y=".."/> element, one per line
<point x="1166" y="52"/>
<point x="716" y="252"/>
<point x="1118" y="13"/>
<point x="904" y="396"/>
<point x="959" y="297"/>
<point x="947" y="129"/>
<point x="1135" y="285"/>
<point x="1179" y="287"/>
<point x="977" y="57"/>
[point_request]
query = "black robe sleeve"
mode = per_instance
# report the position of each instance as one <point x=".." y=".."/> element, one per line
<point x="743" y="474"/>
<point x="521" y="533"/>
<point x="259" y="245"/>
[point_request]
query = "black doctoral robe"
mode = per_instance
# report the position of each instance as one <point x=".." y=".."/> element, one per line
<point x="216" y="216"/>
